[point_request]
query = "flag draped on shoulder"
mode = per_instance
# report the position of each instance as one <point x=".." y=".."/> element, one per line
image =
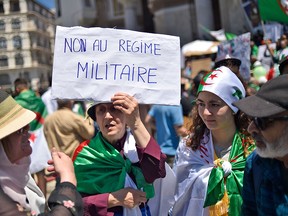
<point x="40" y="154"/>
<point x="273" y="10"/>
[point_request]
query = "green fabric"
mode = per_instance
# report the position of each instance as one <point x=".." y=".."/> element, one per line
<point x="29" y="100"/>
<point x="230" y="36"/>
<point x="258" y="72"/>
<point x="100" y="168"/>
<point x="234" y="182"/>
<point x="201" y="85"/>
<point x="271" y="10"/>
<point x="254" y="51"/>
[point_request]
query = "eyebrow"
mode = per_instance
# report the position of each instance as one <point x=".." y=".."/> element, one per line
<point x="212" y="101"/>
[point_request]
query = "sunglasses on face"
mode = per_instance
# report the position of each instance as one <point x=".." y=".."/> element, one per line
<point x="263" y="123"/>
<point x="22" y="131"/>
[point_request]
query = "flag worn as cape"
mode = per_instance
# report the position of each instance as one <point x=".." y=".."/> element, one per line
<point x="273" y="10"/>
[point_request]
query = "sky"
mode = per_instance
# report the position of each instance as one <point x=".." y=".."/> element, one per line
<point x="47" y="3"/>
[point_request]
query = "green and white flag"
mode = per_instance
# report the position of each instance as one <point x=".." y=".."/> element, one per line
<point x="273" y="10"/>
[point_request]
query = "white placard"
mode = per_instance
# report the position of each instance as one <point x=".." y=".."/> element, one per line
<point x="95" y="63"/>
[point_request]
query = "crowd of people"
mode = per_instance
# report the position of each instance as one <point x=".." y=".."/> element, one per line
<point x="222" y="151"/>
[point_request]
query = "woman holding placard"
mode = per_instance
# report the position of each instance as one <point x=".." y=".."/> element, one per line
<point x="115" y="170"/>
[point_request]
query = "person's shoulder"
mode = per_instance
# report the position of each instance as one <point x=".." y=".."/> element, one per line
<point x="47" y="94"/>
<point x="256" y="160"/>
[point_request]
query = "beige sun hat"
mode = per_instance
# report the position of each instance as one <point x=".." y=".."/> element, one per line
<point x="12" y="116"/>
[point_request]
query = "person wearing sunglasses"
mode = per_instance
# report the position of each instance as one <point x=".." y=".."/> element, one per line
<point x="265" y="187"/>
<point x="19" y="194"/>
<point x="209" y="163"/>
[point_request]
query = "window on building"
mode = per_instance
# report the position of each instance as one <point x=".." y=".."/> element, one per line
<point x="5" y="79"/>
<point x="87" y="3"/>
<point x="2" y="25"/>
<point x="19" y="59"/>
<point x="3" y="61"/>
<point x="16" y="24"/>
<point x="17" y="42"/>
<point x="118" y="8"/>
<point x="3" y="43"/>
<point x="1" y="7"/>
<point x="14" y="5"/>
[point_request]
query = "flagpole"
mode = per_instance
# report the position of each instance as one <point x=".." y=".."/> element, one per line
<point x="267" y="45"/>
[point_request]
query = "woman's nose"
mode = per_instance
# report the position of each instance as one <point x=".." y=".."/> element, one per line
<point x="206" y="111"/>
<point x="108" y="115"/>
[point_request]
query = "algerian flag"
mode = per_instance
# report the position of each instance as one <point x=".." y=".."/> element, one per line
<point x="40" y="151"/>
<point x="221" y="35"/>
<point x="225" y="84"/>
<point x="274" y="10"/>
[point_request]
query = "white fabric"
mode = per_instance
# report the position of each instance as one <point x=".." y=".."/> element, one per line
<point x="129" y="148"/>
<point x="163" y="187"/>
<point x="35" y="196"/>
<point x="192" y="170"/>
<point x="40" y="151"/>
<point x="18" y="184"/>
<point x="227" y="168"/>
<point x="14" y="177"/>
<point x="164" y="193"/>
<point x="224" y="83"/>
<point x="51" y="104"/>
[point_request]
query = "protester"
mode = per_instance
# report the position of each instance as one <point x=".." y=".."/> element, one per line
<point x="234" y="65"/>
<point x="209" y="163"/>
<point x="265" y="187"/>
<point x="19" y="194"/>
<point x="282" y="44"/>
<point x="65" y="130"/>
<point x="123" y="145"/>
<point x="228" y="61"/>
<point x="283" y="66"/>
<point x="169" y="128"/>
<point x="41" y="154"/>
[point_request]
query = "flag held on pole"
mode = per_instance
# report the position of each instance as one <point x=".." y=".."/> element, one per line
<point x="273" y="10"/>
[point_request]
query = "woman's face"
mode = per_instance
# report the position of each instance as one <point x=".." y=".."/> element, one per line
<point x="214" y="112"/>
<point x="17" y="145"/>
<point x="111" y="122"/>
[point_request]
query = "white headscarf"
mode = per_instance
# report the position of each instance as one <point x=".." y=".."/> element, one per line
<point x="14" y="179"/>
<point x="225" y="84"/>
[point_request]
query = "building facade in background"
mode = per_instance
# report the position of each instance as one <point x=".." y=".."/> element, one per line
<point x="27" y="31"/>
<point x="188" y="19"/>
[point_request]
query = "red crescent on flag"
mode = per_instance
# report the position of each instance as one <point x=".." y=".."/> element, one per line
<point x="202" y="82"/>
<point x="219" y="70"/>
<point x="283" y="7"/>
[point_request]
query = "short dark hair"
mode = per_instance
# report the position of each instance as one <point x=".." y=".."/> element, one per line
<point x="20" y="81"/>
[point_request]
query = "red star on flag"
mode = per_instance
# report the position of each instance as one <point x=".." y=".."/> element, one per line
<point x="212" y="76"/>
<point x="32" y="137"/>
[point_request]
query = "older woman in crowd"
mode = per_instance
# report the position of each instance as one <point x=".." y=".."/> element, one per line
<point x="115" y="170"/>
<point x="19" y="194"/>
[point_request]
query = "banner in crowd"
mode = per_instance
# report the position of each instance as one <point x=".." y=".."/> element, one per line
<point x="95" y="63"/>
<point x="273" y="10"/>
<point x="239" y="48"/>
